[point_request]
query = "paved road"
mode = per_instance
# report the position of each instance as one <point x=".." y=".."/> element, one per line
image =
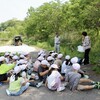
<point x="44" y="94"/>
<point x="21" y="48"/>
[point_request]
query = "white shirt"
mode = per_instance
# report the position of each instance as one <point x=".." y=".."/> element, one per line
<point x="57" y="39"/>
<point x="51" y="79"/>
<point x="65" y="67"/>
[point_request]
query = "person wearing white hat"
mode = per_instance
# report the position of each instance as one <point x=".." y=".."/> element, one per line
<point x="74" y="79"/>
<point x="17" y="85"/>
<point x="22" y="56"/>
<point x="21" y="62"/>
<point x="58" y="61"/>
<point x="74" y="60"/>
<point x="37" y="63"/>
<point x="54" y="79"/>
<point x="66" y="65"/>
<point x="50" y="59"/>
<point x="15" y="58"/>
<point x="2" y="59"/>
<point x="43" y="70"/>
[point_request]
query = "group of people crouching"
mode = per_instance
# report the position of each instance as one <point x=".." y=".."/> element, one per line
<point x="50" y="69"/>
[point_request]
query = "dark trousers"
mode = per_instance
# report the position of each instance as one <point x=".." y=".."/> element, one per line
<point x="3" y="77"/>
<point x="86" y="56"/>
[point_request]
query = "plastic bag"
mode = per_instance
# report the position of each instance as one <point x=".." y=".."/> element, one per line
<point x="80" y="48"/>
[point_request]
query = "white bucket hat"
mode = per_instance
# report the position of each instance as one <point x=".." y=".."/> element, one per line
<point x="17" y="69"/>
<point x="22" y="56"/>
<point x="23" y="67"/>
<point x="44" y="62"/>
<point x="60" y="56"/>
<point x="7" y="53"/>
<point x="22" y="61"/>
<point x="67" y="57"/>
<point x="74" y="60"/>
<point x="40" y="58"/>
<point x="2" y="58"/>
<point x="50" y="58"/>
<point x="54" y="66"/>
<point x="15" y="57"/>
<point x="76" y="66"/>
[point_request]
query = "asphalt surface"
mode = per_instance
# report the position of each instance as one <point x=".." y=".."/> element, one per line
<point x="43" y="93"/>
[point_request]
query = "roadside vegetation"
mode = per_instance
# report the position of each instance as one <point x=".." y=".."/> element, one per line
<point x="69" y="19"/>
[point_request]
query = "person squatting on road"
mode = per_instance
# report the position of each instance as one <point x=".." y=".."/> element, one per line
<point x="57" y="43"/>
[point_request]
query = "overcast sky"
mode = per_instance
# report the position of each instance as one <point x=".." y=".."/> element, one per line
<point x="10" y="9"/>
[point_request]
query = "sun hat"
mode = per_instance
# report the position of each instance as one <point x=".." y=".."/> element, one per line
<point x="67" y="57"/>
<point x="54" y="66"/>
<point x="50" y="58"/>
<point x="15" y="57"/>
<point x="22" y="56"/>
<point x="17" y="69"/>
<point x="22" y="61"/>
<point x="76" y="66"/>
<point x="23" y="67"/>
<point x="25" y="53"/>
<point x="2" y="58"/>
<point x="40" y="58"/>
<point x="7" y="54"/>
<point x="60" y="56"/>
<point x="41" y="52"/>
<point x="74" y="60"/>
<point x="44" y="62"/>
<point x="53" y="54"/>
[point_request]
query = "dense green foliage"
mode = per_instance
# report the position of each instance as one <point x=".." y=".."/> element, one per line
<point x="69" y="19"/>
<point x="10" y="28"/>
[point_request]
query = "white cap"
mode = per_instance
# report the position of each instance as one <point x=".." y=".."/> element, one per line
<point x="50" y="58"/>
<point x="15" y="57"/>
<point x="60" y="56"/>
<point x="74" y="60"/>
<point x="22" y="56"/>
<point x="25" y="53"/>
<point x="53" y="54"/>
<point x="2" y="58"/>
<point x="22" y="61"/>
<point x="41" y="52"/>
<point x="7" y="53"/>
<point x="17" y="69"/>
<point x="44" y="62"/>
<point x="23" y="67"/>
<point x="76" y="66"/>
<point x="40" y="58"/>
<point x="67" y="57"/>
<point x="54" y="66"/>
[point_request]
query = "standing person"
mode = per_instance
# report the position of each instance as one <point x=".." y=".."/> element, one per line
<point x="87" y="47"/>
<point x="57" y="43"/>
